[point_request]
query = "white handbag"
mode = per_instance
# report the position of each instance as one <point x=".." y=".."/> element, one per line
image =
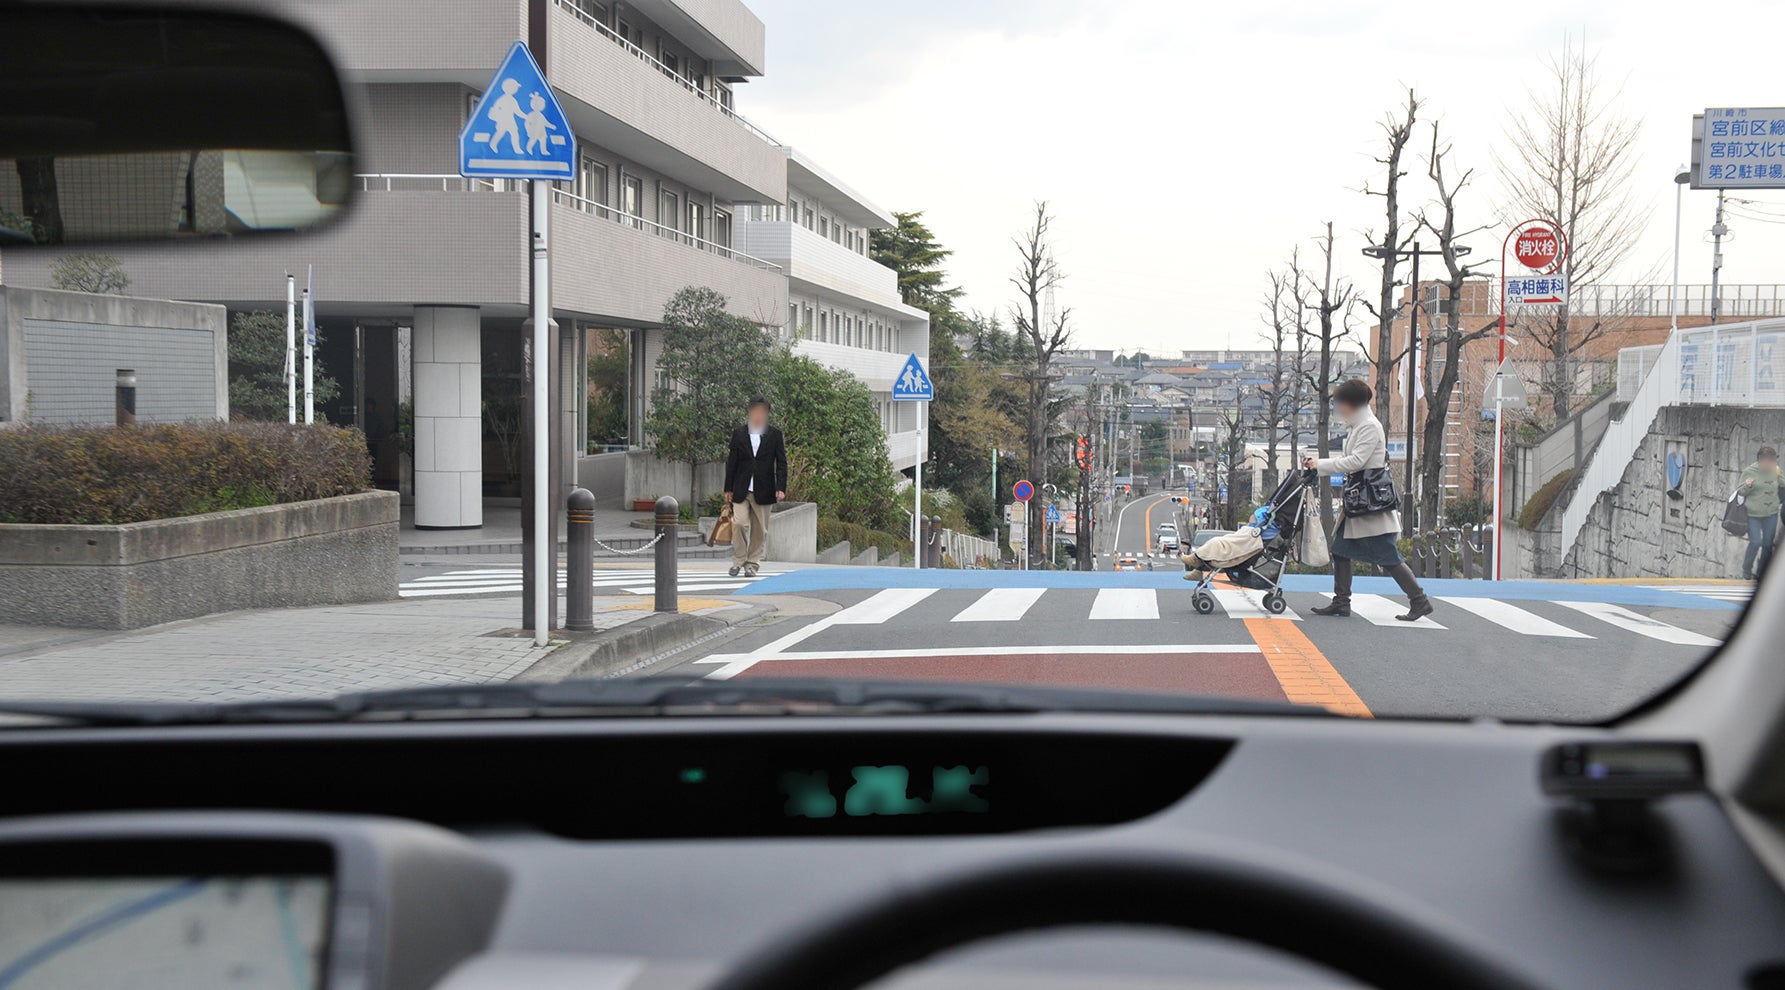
<point x="1312" y="549"/>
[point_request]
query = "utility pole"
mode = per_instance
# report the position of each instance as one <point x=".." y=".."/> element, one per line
<point x="1718" y="229"/>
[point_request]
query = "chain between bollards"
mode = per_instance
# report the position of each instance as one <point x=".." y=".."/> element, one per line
<point x="579" y="607"/>
<point x="667" y="518"/>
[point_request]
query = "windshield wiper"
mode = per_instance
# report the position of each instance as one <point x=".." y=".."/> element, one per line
<point x="656" y="696"/>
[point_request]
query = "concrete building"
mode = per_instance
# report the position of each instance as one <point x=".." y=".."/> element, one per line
<point x="843" y="310"/>
<point x="60" y="353"/>
<point x="423" y="289"/>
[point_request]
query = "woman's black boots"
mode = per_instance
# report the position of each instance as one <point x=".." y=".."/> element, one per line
<point x="1340" y="606"/>
<point x="1418" y="605"/>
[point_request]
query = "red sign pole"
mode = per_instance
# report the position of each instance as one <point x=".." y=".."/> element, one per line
<point x="1559" y="251"/>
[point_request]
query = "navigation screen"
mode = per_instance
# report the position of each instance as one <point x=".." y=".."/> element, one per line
<point x="163" y="933"/>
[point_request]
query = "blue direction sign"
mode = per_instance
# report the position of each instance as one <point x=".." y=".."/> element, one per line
<point x="1222" y="493"/>
<point x="517" y="130"/>
<point x="912" y="384"/>
<point x="1023" y="490"/>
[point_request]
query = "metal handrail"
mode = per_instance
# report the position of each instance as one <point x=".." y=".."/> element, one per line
<point x="583" y="203"/>
<point x="371" y="181"/>
<point x="674" y="76"/>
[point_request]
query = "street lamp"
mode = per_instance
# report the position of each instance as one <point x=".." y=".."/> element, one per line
<point x="1681" y="176"/>
<point x="1379" y="252"/>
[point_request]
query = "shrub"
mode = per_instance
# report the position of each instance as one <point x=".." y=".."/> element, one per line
<point x="1532" y="514"/>
<point x="111" y="475"/>
<point x="834" y="531"/>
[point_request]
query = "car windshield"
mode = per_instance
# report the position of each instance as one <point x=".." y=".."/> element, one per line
<point x="846" y="356"/>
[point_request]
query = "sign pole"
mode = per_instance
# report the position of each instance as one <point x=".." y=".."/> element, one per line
<point x="917" y="476"/>
<point x="542" y="316"/>
<point x="291" y="348"/>
<point x="310" y="350"/>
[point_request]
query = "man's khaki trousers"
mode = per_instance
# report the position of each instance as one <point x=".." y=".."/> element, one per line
<point x="749" y="531"/>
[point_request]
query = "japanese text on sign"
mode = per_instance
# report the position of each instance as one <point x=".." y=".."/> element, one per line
<point x="1744" y="147"/>
<point x="1541" y="290"/>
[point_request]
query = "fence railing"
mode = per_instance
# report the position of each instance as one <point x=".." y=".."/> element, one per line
<point x="1732" y="302"/>
<point x="672" y="75"/>
<point x="1734" y="364"/>
<point x="443" y="182"/>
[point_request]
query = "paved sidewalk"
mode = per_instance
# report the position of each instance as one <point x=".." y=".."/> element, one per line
<point x="283" y="653"/>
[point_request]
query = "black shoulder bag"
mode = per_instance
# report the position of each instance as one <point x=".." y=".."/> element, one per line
<point x="1370" y="492"/>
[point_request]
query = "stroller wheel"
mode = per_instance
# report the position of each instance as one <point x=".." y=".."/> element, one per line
<point x="1202" y="601"/>
<point x="1274" y="604"/>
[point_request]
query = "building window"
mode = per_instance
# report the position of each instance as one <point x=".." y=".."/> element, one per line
<point x="824" y="226"/>
<point x="591" y="186"/>
<point x="824" y="327"/>
<point x="632" y="199"/>
<point x="722" y="228"/>
<point x="793" y="321"/>
<point x="697" y="220"/>
<point x="669" y="209"/>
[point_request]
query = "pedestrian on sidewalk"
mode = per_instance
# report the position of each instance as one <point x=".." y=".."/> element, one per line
<point x="756" y="478"/>
<point x="1760" y="495"/>
<point x="1368" y="538"/>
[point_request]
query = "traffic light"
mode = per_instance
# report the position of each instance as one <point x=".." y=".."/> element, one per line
<point x="1084" y="453"/>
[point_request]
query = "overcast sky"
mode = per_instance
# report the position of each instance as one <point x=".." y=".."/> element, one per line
<point x="1186" y="148"/>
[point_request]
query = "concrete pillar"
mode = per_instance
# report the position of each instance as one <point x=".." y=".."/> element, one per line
<point x="448" y="417"/>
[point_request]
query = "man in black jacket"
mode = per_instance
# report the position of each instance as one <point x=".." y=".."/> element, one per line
<point x="756" y="477"/>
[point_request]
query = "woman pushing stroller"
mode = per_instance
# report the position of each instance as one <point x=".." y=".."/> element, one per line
<point x="1370" y="522"/>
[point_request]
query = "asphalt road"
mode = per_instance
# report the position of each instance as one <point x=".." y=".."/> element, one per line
<point x="1520" y="650"/>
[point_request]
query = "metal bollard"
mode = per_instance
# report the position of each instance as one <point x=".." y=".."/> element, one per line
<point x="922" y="551"/>
<point x="666" y="522"/>
<point x="579" y="606"/>
<point x="126" y="398"/>
<point x="935" y="541"/>
<point x="1468" y="558"/>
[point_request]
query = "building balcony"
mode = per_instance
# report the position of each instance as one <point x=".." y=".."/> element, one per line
<point x="876" y="369"/>
<point x="623" y="269"/>
<point x="819" y="263"/>
<point x="724" y="32"/>
<point x="409" y="40"/>
<point x="392" y="249"/>
<point x="622" y="98"/>
<point x="901" y="449"/>
<point x="413" y="239"/>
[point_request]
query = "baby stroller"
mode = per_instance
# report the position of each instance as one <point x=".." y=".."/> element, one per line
<point x="1278" y="524"/>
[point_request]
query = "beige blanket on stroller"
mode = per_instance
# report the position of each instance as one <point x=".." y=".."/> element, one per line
<point x="1225" y="551"/>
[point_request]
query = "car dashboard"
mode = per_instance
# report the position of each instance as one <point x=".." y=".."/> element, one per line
<point x="633" y="853"/>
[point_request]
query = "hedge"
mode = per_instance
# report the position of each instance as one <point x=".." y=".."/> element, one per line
<point x="834" y="531"/>
<point x="112" y="475"/>
<point x="1531" y="516"/>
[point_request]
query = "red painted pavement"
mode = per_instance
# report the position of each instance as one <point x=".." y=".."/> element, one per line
<point x="1241" y="675"/>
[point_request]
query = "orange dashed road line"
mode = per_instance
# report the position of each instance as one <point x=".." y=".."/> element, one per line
<point x="1308" y="678"/>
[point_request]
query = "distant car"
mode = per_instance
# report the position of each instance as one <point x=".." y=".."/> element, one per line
<point x="1127" y="562"/>
<point x="1167" y="538"/>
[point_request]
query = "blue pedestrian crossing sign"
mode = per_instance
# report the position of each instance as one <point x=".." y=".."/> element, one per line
<point x="1053" y="513"/>
<point x="912" y="384"/>
<point x="517" y="130"/>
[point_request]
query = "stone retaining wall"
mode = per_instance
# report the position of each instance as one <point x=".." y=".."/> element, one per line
<point x="1638" y="530"/>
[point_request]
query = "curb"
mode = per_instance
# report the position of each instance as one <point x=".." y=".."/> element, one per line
<point x="610" y="652"/>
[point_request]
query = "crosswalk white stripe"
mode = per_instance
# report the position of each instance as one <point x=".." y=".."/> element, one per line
<point x="433" y="592"/>
<point x="1126" y="603"/>
<point x="1381" y="611"/>
<point x="1512" y="617"/>
<point x="647" y="589"/>
<point x="1642" y="625"/>
<point x="1240" y="603"/>
<point x="1000" y="605"/>
<point x="881" y="606"/>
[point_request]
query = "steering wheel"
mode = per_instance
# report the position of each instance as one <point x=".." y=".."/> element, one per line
<point x="1328" y="920"/>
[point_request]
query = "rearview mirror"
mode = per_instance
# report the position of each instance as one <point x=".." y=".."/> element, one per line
<point x="141" y="123"/>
